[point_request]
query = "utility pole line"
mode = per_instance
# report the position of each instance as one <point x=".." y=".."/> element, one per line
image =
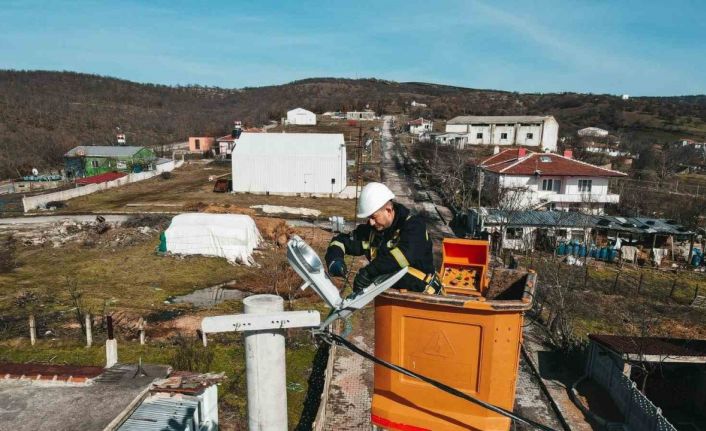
<point x="358" y="161"/>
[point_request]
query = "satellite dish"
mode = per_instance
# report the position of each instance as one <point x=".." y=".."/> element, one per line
<point x="35" y="172"/>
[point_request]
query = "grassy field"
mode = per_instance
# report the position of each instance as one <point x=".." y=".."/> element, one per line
<point x="131" y="281"/>
<point x="121" y="276"/>
<point x="188" y="187"/>
<point x="599" y="307"/>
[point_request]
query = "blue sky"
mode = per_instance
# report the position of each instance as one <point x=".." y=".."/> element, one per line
<point x="600" y="46"/>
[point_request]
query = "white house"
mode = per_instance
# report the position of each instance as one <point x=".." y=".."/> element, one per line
<point x="532" y="131"/>
<point x="290" y="163"/>
<point x="457" y="140"/>
<point x="551" y="181"/>
<point x="301" y="116"/>
<point x="225" y="145"/>
<point x="420" y="125"/>
<point x="686" y="142"/>
<point x="360" y="115"/>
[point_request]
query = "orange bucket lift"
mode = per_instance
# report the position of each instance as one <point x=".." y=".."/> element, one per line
<point x="468" y="339"/>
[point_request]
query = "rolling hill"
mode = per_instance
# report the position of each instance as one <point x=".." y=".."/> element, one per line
<point x="43" y="114"/>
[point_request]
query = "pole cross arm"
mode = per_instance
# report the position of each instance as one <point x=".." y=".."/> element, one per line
<point x="260" y="322"/>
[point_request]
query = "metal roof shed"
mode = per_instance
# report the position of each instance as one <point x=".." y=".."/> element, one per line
<point x="289" y="163"/>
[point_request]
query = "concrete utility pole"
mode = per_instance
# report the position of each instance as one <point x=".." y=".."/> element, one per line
<point x="32" y="330"/>
<point x="358" y="162"/>
<point x="141" y="327"/>
<point x="89" y="333"/>
<point x="264" y="323"/>
<point x="111" y="345"/>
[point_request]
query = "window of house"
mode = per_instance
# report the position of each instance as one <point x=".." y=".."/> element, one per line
<point x="479" y="135"/>
<point x="545" y="159"/>
<point x="585" y="185"/>
<point x="94" y="163"/>
<point x="197" y="144"/>
<point x="551" y="185"/>
<point x="513" y="233"/>
<point x="503" y="136"/>
<point x="530" y="136"/>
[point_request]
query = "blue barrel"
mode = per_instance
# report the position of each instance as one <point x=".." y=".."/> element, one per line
<point x="575" y="251"/>
<point x="695" y="260"/>
<point x="561" y="249"/>
<point x="594" y="252"/>
<point x="582" y="250"/>
<point x="603" y="253"/>
<point x="612" y="254"/>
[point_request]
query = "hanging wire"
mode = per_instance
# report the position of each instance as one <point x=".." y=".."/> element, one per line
<point x="332" y="338"/>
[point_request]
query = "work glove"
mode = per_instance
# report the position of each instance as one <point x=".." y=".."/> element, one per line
<point x="337" y="268"/>
<point x="362" y="280"/>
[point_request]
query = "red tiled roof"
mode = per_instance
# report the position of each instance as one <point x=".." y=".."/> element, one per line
<point x="651" y="345"/>
<point x="226" y="138"/>
<point x="64" y="373"/>
<point x="418" y="122"/>
<point x="503" y="156"/>
<point x="546" y="164"/>
<point x="108" y="176"/>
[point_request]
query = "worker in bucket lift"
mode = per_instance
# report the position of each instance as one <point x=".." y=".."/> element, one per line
<point x="392" y="239"/>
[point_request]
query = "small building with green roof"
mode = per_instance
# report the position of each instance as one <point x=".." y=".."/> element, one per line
<point x="89" y="160"/>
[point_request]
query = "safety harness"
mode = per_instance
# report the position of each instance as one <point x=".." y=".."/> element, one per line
<point x="432" y="281"/>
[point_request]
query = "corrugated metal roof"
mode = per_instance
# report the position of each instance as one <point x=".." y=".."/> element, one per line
<point x="158" y="414"/>
<point x="283" y="144"/>
<point x="563" y="219"/>
<point x="475" y="119"/>
<point x="299" y="111"/>
<point x="652" y="345"/>
<point x="97" y="179"/>
<point x="102" y="151"/>
<point x="537" y="218"/>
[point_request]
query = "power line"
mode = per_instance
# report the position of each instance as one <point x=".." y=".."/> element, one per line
<point x="334" y="338"/>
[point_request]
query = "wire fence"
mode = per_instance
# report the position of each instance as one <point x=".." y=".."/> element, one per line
<point x="674" y="285"/>
<point x="639" y="412"/>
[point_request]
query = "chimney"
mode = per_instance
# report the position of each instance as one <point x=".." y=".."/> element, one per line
<point x="496" y="150"/>
<point x="521" y="152"/>
<point x="569" y="154"/>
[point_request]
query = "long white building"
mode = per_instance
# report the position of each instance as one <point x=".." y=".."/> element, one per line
<point x="289" y="163"/>
<point x="541" y="132"/>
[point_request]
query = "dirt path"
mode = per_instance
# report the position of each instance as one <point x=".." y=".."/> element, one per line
<point x="557" y="378"/>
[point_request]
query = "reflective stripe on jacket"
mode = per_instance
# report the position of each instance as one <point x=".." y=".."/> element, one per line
<point x="405" y="243"/>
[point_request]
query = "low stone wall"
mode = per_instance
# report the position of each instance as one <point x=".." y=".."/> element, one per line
<point x="35" y="202"/>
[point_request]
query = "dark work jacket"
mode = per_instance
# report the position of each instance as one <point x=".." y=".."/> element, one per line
<point x="405" y="243"/>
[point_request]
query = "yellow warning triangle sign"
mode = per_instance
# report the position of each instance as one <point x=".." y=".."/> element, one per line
<point x="439" y="345"/>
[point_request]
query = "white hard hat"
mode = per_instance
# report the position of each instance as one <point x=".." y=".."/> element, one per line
<point x="372" y="198"/>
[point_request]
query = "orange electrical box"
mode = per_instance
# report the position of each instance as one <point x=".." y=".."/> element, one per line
<point x="464" y="265"/>
<point x="467" y="341"/>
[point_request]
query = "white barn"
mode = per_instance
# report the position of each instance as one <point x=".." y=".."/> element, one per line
<point x="527" y="130"/>
<point x="301" y="116"/>
<point x="290" y="163"/>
